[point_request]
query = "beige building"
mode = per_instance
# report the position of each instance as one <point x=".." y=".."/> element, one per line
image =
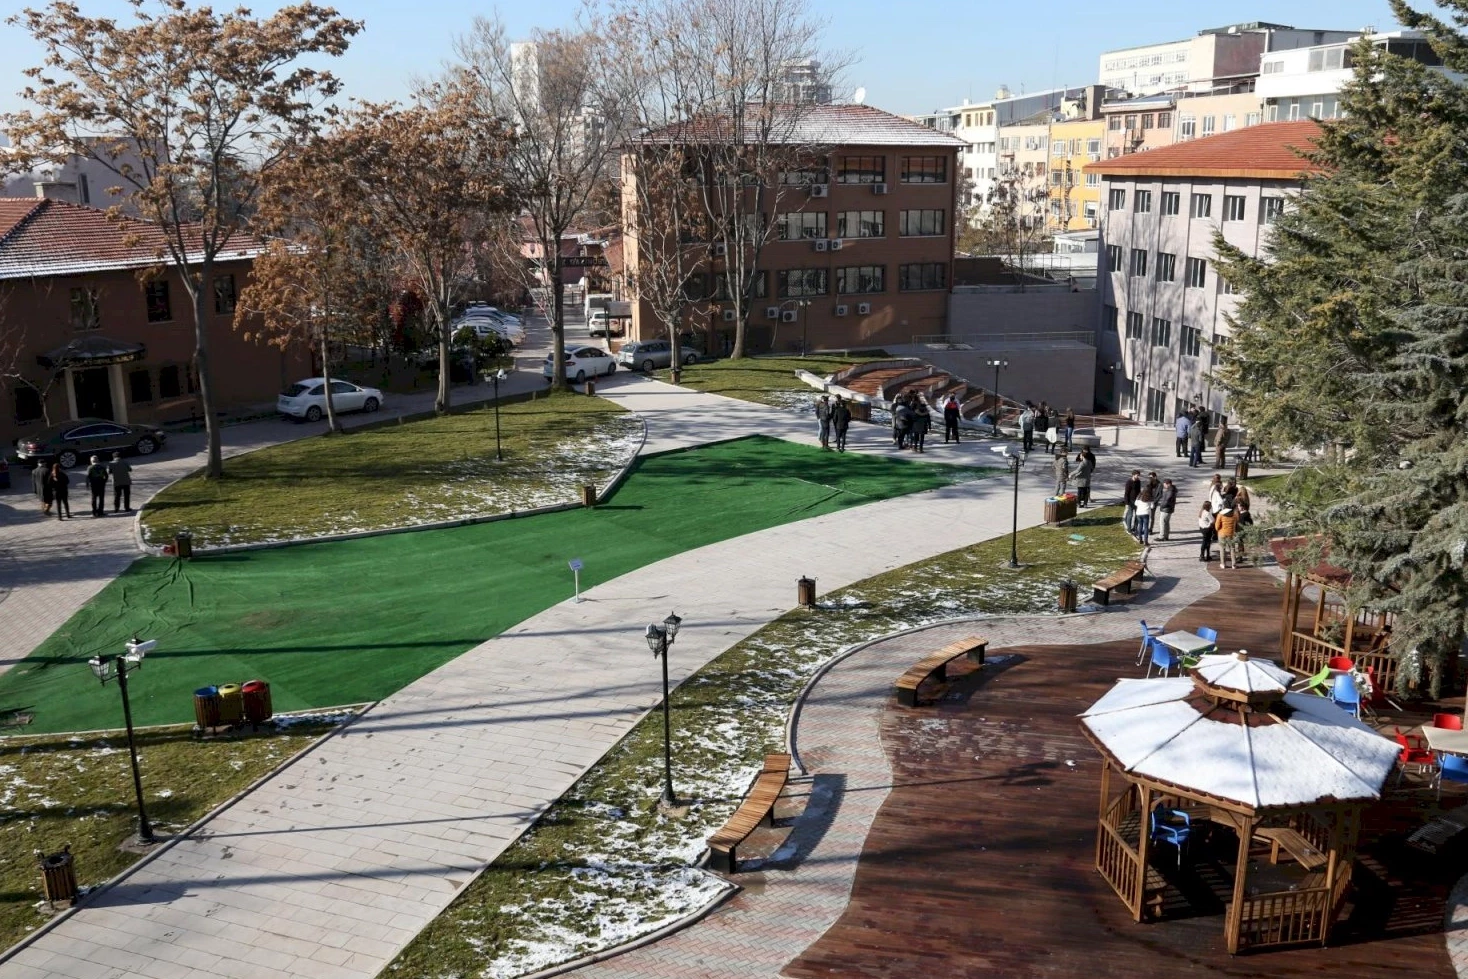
<point x="1213" y="55"/>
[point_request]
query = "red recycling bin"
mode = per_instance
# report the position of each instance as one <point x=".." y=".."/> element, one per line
<point x="256" y="694"/>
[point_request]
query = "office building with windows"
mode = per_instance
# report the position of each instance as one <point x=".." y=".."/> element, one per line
<point x="1305" y="83"/>
<point x="1163" y="307"/>
<point x="1214" y="55"/>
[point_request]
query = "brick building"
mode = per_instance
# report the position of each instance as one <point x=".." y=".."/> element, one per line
<point x="863" y="239"/>
<point x="78" y="324"/>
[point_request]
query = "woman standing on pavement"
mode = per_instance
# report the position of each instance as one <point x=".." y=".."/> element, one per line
<point x="1085" y="465"/>
<point x="61" y="490"/>
<point x="41" y="482"/>
<point x="1205" y="528"/>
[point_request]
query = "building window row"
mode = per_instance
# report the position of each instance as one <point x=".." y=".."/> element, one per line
<point x="925" y="169"/>
<point x="860" y="280"/>
<point x="799" y="225"/>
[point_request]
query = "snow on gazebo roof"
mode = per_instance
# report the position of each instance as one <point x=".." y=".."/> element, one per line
<point x="1229" y="672"/>
<point x="1300" y="750"/>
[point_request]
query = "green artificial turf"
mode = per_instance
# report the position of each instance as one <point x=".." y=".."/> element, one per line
<point x="352" y="621"/>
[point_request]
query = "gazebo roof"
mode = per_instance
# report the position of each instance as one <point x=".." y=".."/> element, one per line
<point x="1324" y="573"/>
<point x="1300" y="751"/>
<point x="1246" y="676"/>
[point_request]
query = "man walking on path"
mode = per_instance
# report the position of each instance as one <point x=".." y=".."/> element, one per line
<point x="1166" y="504"/>
<point x="950" y="419"/>
<point x="1220" y="450"/>
<point x="1062" y="473"/>
<point x="1195" y="445"/>
<point x="1027" y="426"/>
<point x="122" y="483"/>
<point x="97" y="483"/>
<point x="61" y="489"/>
<point x="841" y="421"/>
<point x="1129" y="497"/>
<point x="922" y="419"/>
<point x="823" y="419"/>
<point x="1182" y="426"/>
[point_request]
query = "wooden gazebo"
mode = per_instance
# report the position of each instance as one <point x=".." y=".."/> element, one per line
<point x="1362" y="635"/>
<point x="1286" y="773"/>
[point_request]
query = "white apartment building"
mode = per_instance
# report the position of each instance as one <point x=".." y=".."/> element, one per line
<point x="1305" y="83"/>
<point x="1214" y="55"/>
<point x="1163" y="305"/>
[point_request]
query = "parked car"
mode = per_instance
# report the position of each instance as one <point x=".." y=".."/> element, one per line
<point x="485" y="321"/>
<point x="649" y="355"/>
<point x="78" y="440"/>
<point x="510" y="318"/>
<point x="583" y="362"/>
<point x="307" y="399"/>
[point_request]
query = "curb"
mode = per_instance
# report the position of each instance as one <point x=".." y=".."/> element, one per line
<point x="183" y="726"/>
<point x="168" y="844"/>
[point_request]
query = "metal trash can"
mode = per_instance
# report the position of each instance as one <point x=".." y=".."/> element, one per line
<point x="58" y="875"/>
<point x="1241" y="468"/>
<point x="1067" y="596"/>
<point x="860" y="411"/>
<point x="806" y="591"/>
<point x="206" y="708"/>
<point x="588" y="494"/>
<point x="231" y="704"/>
<point x="590" y="387"/>
<point x="255" y="695"/>
<point x="183" y="545"/>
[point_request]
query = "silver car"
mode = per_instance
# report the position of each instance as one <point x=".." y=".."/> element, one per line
<point x="648" y="355"/>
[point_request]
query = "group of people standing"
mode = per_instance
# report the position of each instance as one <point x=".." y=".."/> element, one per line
<point x="911" y="420"/>
<point x="1222" y="517"/>
<point x="833" y="418"/>
<point x="1042" y="420"/>
<point x="1191" y="429"/>
<point x="52" y="484"/>
<point x="1085" y="466"/>
<point x="1149" y="504"/>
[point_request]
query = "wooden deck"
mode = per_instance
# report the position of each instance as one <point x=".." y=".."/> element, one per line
<point x="980" y="863"/>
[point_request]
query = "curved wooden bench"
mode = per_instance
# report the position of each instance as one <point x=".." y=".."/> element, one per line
<point x="1121" y="580"/>
<point x="758" y="807"/>
<point x="936" y="665"/>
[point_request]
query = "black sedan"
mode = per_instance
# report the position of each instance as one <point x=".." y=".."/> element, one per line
<point x="77" y="441"/>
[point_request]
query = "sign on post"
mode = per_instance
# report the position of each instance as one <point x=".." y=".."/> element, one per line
<point x="576" y="566"/>
<point x="583" y="262"/>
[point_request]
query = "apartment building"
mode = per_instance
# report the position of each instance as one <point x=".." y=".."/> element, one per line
<point x="863" y="239"/>
<point x="1074" y="195"/>
<point x="1215" y="54"/>
<point x="1163" y="306"/>
<point x="1305" y="83"/>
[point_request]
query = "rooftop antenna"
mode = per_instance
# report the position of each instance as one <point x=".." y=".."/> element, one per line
<point x="860" y="95"/>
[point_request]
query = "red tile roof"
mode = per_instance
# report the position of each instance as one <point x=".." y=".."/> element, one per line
<point x="42" y="237"/>
<point x="830" y="125"/>
<point x="1267" y="151"/>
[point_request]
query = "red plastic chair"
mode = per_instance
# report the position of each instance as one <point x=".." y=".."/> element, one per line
<point x="1341" y="664"/>
<point x="1448" y="722"/>
<point x="1414" y="753"/>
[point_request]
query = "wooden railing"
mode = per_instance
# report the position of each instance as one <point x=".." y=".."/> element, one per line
<point x="1282" y="918"/>
<point x="1119" y="864"/>
<point x="1309" y="654"/>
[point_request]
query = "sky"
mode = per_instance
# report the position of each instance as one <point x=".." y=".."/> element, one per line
<point x="913" y="56"/>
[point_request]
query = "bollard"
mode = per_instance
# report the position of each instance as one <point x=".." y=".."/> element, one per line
<point x="1067" y="596"/>
<point x="58" y="875"/>
<point x="590" y="387"/>
<point x="806" y="591"/>
<point x="588" y="494"/>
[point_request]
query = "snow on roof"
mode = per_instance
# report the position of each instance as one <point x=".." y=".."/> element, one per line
<point x="1227" y="671"/>
<point x="829" y="124"/>
<point x="1309" y="752"/>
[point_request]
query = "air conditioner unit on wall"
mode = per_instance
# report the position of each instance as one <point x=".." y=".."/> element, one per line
<point x="787" y="316"/>
<point x="719" y="248"/>
<point x="835" y="244"/>
<point x="879" y="188"/>
<point x="819" y="190"/>
<point x="728" y="316"/>
<point x="841" y="310"/>
<point x="821" y="244"/>
<point x="772" y="312"/>
<point x="863" y="309"/>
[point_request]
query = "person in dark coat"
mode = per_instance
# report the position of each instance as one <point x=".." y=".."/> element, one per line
<point x="41" y="482"/>
<point x="950" y="419"/>
<point x="97" y="483"/>
<point x="1129" y="494"/>
<point x="122" y="483"/>
<point x="901" y="422"/>
<point x="1070" y="428"/>
<point x="841" y="421"/>
<point x="823" y="419"/>
<point x="1166" y="505"/>
<point x="1085" y="465"/>
<point x="922" y="420"/>
<point x="1042" y="427"/>
<point x="61" y="490"/>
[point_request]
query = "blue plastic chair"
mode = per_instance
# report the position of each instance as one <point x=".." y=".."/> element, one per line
<point x="1453" y="768"/>
<point x="1210" y="634"/>
<point x="1148" y="632"/>
<point x="1345" y="694"/>
<point x="1171" y="832"/>
<point x="1163" y="657"/>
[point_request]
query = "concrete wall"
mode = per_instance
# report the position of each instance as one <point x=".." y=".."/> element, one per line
<point x="1065" y="376"/>
<point x="1044" y="310"/>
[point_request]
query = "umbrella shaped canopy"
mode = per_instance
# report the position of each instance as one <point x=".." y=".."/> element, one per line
<point x="1263" y="748"/>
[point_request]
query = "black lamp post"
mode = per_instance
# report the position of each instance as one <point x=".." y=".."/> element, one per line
<point x="659" y="638"/>
<point x="496" y="377"/>
<point x="997" y="364"/>
<point x="1016" y="461"/>
<point x="117" y="667"/>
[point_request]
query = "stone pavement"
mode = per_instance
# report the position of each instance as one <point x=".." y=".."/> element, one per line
<point x="803" y="888"/>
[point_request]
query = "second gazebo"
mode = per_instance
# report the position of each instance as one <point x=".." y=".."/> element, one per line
<point x="1231" y="748"/>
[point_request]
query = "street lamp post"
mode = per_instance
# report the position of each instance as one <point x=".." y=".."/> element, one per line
<point x="997" y="364"/>
<point x="659" y="638"/>
<point x="1016" y="461"/>
<point x="117" y="667"/>
<point x="496" y="377"/>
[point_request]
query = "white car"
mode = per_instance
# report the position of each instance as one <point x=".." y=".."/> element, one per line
<point x="583" y="362"/>
<point x="486" y="326"/>
<point x="495" y="311"/>
<point x="307" y="399"/>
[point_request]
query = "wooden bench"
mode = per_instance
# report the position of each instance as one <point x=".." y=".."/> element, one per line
<point x="936" y="665"/>
<point x="1293" y="843"/>
<point x="758" y="807"/>
<point x="1132" y="571"/>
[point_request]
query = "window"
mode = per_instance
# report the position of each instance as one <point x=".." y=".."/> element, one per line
<point x="1166" y="266"/>
<point x="168" y="382"/>
<point x="1143" y="200"/>
<point x="86" y="313"/>
<point x="1230" y="122"/>
<point x="1114" y="124"/>
<point x="920" y="223"/>
<point x="84" y="188"/>
<point x="802" y="224"/>
<point x="1202" y="205"/>
<point x="1208" y="125"/>
<point x="696" y="288"/>
<point x="1116" y="200"/>
<point x="924" y="169"/>
<point x="224" y="294"/>
<point x="1093" y="180"/>
<point x="1161" y="332"/>
<point x="1272" y="68"/>
<point x="1252" y="119"/>
<point x="1088" y="208"/>
<point x="1139" y="261"/>
<point x="27" y="404"/>
<point x="139" y="386"/>
<point x="862" y="170"/>
<point x="861" y="224"/>
<point x="155" y="294"/>
<point x="1270" y="208"/>
<point x="1093" y="149"/>
<point x="861" y="278"/>
<point x="1233" y="207"/>
<point x="1109" y="318"/>
<point x="1192" y="341"/>
<point x="802" y="178"/>
<point x="1197" y="273"/>
<point x="1134" y="326"/>
<point x="1187" y="127"/>
<point x="1113" y="258"/>
<point x="1131" y="122"/>
<point x="1226" y="287"/>
<point x="1329" y="59"/>
<point x="922" y="275"/>
<point x="1057" y="177"/>
<point x="1164" y="120"/>
<point x="1172" y="202"/>
<point x="802" y="282"/>
<point x="1156" y="405"/>
<point x="761" y="284"/>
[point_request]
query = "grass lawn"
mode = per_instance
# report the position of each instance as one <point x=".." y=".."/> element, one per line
<point x="763" y="380"/>
<point x="59" y="790"/>
<point x="352" y="621"/>
<point x="604" y="865"/>
<point x="398" y="475"/>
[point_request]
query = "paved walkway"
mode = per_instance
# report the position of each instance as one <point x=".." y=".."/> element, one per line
<point x="802" y="890"/>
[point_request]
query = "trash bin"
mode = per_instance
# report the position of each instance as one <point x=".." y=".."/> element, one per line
<point x="58" y="875"/>
<point x="860" y="411"/>
<point x="590" y="387"/>
<point x="588" y="494"/>
<point x="1067" y="596"/>
<point x="183" y="545"/>
<point x="806" y="591"/>
<point x="1241" y="468"/>
<point x="206" y="708"/>
<point x="256" y="697"/>
<point x="231" y="704"/>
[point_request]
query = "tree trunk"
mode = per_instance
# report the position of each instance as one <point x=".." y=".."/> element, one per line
<point x="214" y="466"/>
<point x="441" y="403"/>
<point x="332" y="425"/>
<point x="558" y="324"/>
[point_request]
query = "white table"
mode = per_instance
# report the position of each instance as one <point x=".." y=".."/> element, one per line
<point x="1186" y="643"/>
<point x="1446" y="741"/>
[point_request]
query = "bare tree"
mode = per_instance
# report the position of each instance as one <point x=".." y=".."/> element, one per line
<point x="1013" y="221"/>
<point x="184" y="107"/>
<point x="18" y="364"/>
